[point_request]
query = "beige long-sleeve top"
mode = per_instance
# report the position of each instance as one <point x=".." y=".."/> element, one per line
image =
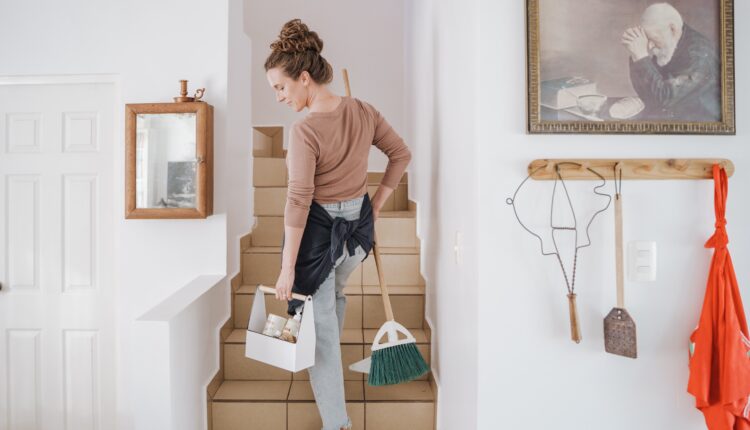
<point x="328" y="152"/>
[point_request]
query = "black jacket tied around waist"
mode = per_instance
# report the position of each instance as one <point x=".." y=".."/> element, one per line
<point x="323" y="244"/>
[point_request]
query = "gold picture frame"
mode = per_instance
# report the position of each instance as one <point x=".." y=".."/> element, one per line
<point x="543" y="119"/>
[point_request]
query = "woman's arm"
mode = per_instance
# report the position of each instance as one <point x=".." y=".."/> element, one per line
<point x="301" y="159"/>
<point x="379" y="199"/>
<point x="387" y="140"/>
<point x="292" y="239"/>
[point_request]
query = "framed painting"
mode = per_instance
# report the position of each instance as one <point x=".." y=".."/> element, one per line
<point x="630" y="66"/>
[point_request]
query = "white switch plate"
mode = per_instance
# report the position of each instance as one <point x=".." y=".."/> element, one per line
<point x="641" y="261"/>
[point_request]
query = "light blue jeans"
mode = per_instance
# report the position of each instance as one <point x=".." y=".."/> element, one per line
<point x="326" y="377"/>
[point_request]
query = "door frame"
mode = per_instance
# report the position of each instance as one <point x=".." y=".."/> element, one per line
<point x="118" y="154"/>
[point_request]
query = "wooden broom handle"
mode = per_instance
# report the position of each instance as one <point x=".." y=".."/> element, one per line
<point x="376" y="250"/>
<point x="618" y="239"/>
<point x="346" y="82"/>
<point x="618" y="252"/>
<point x="383" y="286"/>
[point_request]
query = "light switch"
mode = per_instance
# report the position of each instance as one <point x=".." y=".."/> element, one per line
<point x="641" y="261"/>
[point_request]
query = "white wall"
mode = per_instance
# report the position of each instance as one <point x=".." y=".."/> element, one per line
<point x="152" y="45"/>
<point x="175" y="364"/>
<point x="441" y="116"/>
<point x="466" y="102"/>
<point x="237" y="163"/>
<point x="531" y="375"/>
<point x="367" y="38"/>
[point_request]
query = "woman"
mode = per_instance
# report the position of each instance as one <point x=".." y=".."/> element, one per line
<point x="329" y="218"/>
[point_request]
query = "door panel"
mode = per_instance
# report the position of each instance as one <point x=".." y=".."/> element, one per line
<point x="57" y="362"/>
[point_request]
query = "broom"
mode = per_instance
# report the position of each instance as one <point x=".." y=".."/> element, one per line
<point x="396" y="360"/>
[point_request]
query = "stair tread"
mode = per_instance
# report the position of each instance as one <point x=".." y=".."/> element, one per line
<point x="373" y="178"/>
<point x="383" y="214"/>
<point x="357" y="290"/>
<point x="398" y="214"/>
<point x="410" y="391"/>
<point x="300" y="391"/>
<point x="350" y="336"/>
<point x="354" y="391"/>
<point x="410" y="250"/>
<point x="394" y="290"/>
<point x="349" y="290"/>
<point x="253" y="390"/>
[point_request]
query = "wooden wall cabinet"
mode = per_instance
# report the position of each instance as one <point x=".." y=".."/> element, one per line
<point x="168" y="160"/>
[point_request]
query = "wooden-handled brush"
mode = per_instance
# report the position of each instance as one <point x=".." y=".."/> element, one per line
<point x="394" y="360"/>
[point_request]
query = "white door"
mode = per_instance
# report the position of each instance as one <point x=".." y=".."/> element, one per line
<point x="57" y="347"/>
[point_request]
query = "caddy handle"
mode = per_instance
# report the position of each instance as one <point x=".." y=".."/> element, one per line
<point x="272" y="290"/>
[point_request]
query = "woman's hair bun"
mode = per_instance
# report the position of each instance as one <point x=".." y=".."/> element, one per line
<point x="296" y="37"/>
<point x="297" y="50"/>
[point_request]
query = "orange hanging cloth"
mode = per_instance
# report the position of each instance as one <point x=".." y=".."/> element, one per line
<point x="719" y="348"/>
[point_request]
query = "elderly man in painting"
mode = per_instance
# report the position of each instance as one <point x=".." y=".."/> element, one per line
<point x="673" y="68"/>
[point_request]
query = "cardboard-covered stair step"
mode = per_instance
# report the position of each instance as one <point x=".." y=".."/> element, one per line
<point x="407" y="250"/>
<point x="401" y="267"/>
<point x="282" y="391"/>
<point x="375" y="178"/>
<point x="268" y="142"/>
<point x="243" y="303"/>
<point x="282" y="405"/>
<point x="355" y="345"/>
<point x="400" y="407"/>
<point x="272" y="172"/>
<point x="269" y="172"/>
<point x="408" y="310"/>
<point x="362" y="311"/>
<point x="268" y="231"/>
<point x="271" y="200"/>
<point x="303" y="415"/>
<point x="358" y="290"/>
<point x="350" y="336"/>
<point x="395" y="229"/>
<point x="238" y="366"/>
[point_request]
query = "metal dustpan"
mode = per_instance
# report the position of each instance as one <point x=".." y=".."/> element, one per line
<point x="362" y="366"/>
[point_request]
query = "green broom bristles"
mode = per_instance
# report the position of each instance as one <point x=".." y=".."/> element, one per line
<point x="396" y="364"/>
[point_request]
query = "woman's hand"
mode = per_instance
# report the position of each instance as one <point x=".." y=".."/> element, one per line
<point x="378" y="200"/>
<point x="284" y="284"/>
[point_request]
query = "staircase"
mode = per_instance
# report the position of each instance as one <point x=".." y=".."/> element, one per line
<point x="246" y="394"/>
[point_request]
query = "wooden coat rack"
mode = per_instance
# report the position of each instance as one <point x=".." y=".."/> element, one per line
<point x="646" y="168"/>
